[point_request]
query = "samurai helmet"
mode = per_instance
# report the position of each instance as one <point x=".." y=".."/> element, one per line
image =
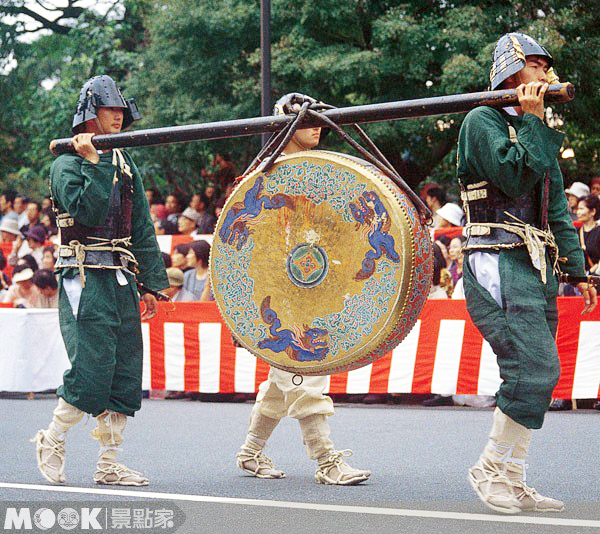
<point x="509" y="57"/>
<point x="102" y="92"/>
<point x="291" y="103"/>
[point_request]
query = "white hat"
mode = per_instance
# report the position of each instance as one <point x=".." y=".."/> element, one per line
<point x="191" y="214"/>
<point x="10" y="225"/>
<point x="21" y="276"/>
<point x="453" y="213"/>
<point x="175" y="276"/>
<point x="578" y="189"/>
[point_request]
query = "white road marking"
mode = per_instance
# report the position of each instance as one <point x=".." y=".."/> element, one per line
<point x="312" y="506"/>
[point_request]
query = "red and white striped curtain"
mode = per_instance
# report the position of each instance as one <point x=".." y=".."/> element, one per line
<point x="189" y="348"/>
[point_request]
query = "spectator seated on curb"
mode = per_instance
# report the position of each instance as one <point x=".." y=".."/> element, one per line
<point x="48" y="257"/>
<point x="575" y="192"/>
<point x="179" y="257"/>
<point x="165" y="227"/>
<point x="173" y="204"/>
<point x="21" y="293"/>
<point x="197" y="257"/>
<point x="36" y="237"/>
<point x="9" y="230"/>
<point x="4" y="278"/>
<point x="186" y="224"/>
<point x="176" y="290"/>
<point x="595" y="186"/>
<point x="435" y="198"/>
<point x="205" y="223"/>
<point x="46" y="287"/>
<point x="451" y="215"/>
<point x="28" y="260"/>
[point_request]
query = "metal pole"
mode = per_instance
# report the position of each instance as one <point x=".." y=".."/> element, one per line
<point x="265" y="63"/>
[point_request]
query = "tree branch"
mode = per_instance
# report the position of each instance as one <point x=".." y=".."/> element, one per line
<point x="68" y="12"/>
<point x="110" y="9"/>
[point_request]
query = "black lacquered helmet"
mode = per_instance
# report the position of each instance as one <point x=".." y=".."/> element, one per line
<point x="291" y="103"/>
<point x="102" y="92"/>
<point x="509" y="56"/>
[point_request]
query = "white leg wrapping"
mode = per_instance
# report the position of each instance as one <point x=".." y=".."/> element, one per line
<point x="64" y="417"/>
<point x="109" y="432"/>
<point x="514" y="455"/>
<point x="50" y="443"/>
<point x="261" y="427"/>
<point x="499" y="477"/>
<point x="251" y="458"/>
<point x="315" y="434"/>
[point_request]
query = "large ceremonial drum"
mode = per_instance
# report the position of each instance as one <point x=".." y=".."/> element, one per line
<point x="321" y="265"/>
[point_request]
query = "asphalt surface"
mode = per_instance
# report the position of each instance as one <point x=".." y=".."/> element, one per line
<point x="419" y="458"/>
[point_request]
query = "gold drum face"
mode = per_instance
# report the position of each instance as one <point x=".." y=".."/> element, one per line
<point x="320" y="265"/>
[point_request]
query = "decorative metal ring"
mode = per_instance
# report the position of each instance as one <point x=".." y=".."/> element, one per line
<point x="295" y="377"/>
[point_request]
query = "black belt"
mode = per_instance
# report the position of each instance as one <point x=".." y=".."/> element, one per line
<point x="99" y="258"/>
<point x="497" y="236"/>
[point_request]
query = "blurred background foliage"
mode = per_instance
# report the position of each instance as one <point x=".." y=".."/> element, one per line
<point x="191" y="61"/>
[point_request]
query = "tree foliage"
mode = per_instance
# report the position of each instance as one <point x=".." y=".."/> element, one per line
<point x="187" y="61"/>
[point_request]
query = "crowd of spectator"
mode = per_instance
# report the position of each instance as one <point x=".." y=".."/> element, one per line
<point x="187" y="270"/>
<point x="29" y="238"/>
<point x="28" y="241"/>
<point x="195" y="214"/>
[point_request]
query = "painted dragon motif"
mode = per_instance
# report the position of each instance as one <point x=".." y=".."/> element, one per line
<point x="370" y="214"/>
<point x="239" y="217"/>
<point x="304" y="345"/>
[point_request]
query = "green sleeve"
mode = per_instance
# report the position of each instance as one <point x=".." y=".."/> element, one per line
<point x="487" y="153"/>
<point x="562" y="227"/>
<point x="144" y="244"/>
<point x="82" y="188"/>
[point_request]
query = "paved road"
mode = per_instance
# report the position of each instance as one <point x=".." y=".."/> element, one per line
<point x="419" y="457"/>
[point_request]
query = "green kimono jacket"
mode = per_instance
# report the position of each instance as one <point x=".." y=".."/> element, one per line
<point x="103" y="334"/>
<point x="83" y="190"/>
<point x="521" y="331"/>
<point x="486" y="152"/>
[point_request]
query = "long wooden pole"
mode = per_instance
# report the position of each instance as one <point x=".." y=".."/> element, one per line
<point x="557" y="93"/>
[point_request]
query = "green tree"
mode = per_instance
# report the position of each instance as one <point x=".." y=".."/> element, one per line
<point x="35" y="114"/>
<point x="351" y="53"/>
<point x="187" y="61"/>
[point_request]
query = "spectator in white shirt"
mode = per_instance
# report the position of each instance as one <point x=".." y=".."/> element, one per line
<point x="21" y="293"/>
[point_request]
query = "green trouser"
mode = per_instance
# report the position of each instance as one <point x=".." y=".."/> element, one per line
<point x="104" y="345"/>
<point x="521" y="333"/>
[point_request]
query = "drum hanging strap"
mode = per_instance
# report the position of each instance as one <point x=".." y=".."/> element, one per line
<point x="275" y="145"/>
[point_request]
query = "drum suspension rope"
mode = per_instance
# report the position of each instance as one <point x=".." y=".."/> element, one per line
<point x="274" y="147"/>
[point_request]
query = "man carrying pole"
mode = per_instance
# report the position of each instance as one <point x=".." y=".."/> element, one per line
<point x="107" y="237"/>
<point x="519" y="235"/>
<point x="281" y="395"/>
